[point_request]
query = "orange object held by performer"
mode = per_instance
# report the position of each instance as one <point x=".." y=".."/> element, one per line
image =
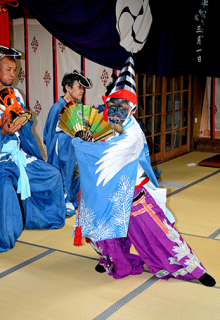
<point x="11" y="109"/>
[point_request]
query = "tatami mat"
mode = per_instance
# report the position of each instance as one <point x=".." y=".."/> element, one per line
<point x="185" y="169"/>
<point x="46" y="277"/>
<point x="172" y="300"/>
<point x="18" y="255"/>
<point x="59" y="239"/>
<point x="62" y="286"/>
<point x="196" y="208"/>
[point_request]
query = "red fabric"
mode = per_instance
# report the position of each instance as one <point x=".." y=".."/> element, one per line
<point x="143" y="182"/>
<point x="213" y="110"/>
<point x="122" y="94"/>
<point x="83" y="72"/>
<point x="26" y="64"/>
<point x="55" y="70"/>
<point x="105" y="115"/>
<point x="4" y="27"/>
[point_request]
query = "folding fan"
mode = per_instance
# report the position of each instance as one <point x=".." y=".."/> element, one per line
<point x="83" y="121"/>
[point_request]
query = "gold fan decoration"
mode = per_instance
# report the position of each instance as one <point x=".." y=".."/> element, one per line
<point x="83" y="121"/>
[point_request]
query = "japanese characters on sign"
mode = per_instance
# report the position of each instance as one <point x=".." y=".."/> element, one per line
<point x="200" y="18"/>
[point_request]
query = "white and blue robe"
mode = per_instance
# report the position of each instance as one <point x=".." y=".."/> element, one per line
<point x="39" y="202"/>
<point x="61" y="154"/>
<point x="108" y="172"/>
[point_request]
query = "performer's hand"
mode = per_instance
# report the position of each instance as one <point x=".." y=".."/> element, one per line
<point x="12" y="130"/>
<point x="84" y="135"/>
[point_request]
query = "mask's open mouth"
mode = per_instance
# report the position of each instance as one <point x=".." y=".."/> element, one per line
<point x="115" y="119"/>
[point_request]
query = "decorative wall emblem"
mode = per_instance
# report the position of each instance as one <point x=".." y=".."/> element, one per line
<point x="104" y="77"/>
<point x="62" y="46"/>
<point x="47" y="78"/>
<point x="37" y="108"/>
<point x="34" y="44"/>
<point x="21" y="75"/>
<point x="133" y="23"/>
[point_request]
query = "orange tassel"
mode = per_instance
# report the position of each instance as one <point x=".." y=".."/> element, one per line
<point x="78" y="237"/>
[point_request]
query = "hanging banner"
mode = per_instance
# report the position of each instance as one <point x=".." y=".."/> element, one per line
<point x="67" y="61"/>
<point x="40" y="77"/>
<point x="100" y="77"/>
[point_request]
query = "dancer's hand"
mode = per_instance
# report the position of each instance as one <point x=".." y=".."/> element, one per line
<point x="6" y="130"/>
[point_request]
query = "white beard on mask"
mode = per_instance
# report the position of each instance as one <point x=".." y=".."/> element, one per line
<point x="116" y="127"/>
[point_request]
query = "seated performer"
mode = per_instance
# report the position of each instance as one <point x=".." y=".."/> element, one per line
<point x="31" y="190"/>
<point x="60" y="153"/>
<point x="121" y="203"/>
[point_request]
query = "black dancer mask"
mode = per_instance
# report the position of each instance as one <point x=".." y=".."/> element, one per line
<point x="118" y="110"/>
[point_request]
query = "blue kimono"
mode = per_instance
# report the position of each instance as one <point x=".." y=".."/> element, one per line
<point x="31" y="190"/>
<point x="107" y="184"/>
<point x="61" y="154"/>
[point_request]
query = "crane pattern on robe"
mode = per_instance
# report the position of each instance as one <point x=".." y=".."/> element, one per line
<point x="118" y="156"/>
<point x="108" y="173"/>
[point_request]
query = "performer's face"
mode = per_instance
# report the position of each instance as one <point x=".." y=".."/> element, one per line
<point x="8" y="70"/>
<point x="76" y="92"/>
<point x="118" y="111"/>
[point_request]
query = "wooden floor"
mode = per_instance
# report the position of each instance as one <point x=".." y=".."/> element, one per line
<point x="46" y="278"/>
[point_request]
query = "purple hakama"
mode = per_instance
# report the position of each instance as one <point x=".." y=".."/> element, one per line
<point x="157" y="242"/>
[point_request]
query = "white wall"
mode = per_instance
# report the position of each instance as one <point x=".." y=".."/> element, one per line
<point x="41" y="71"/>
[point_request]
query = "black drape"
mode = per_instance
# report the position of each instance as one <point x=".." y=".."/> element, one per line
<point x="88" y="27"/>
